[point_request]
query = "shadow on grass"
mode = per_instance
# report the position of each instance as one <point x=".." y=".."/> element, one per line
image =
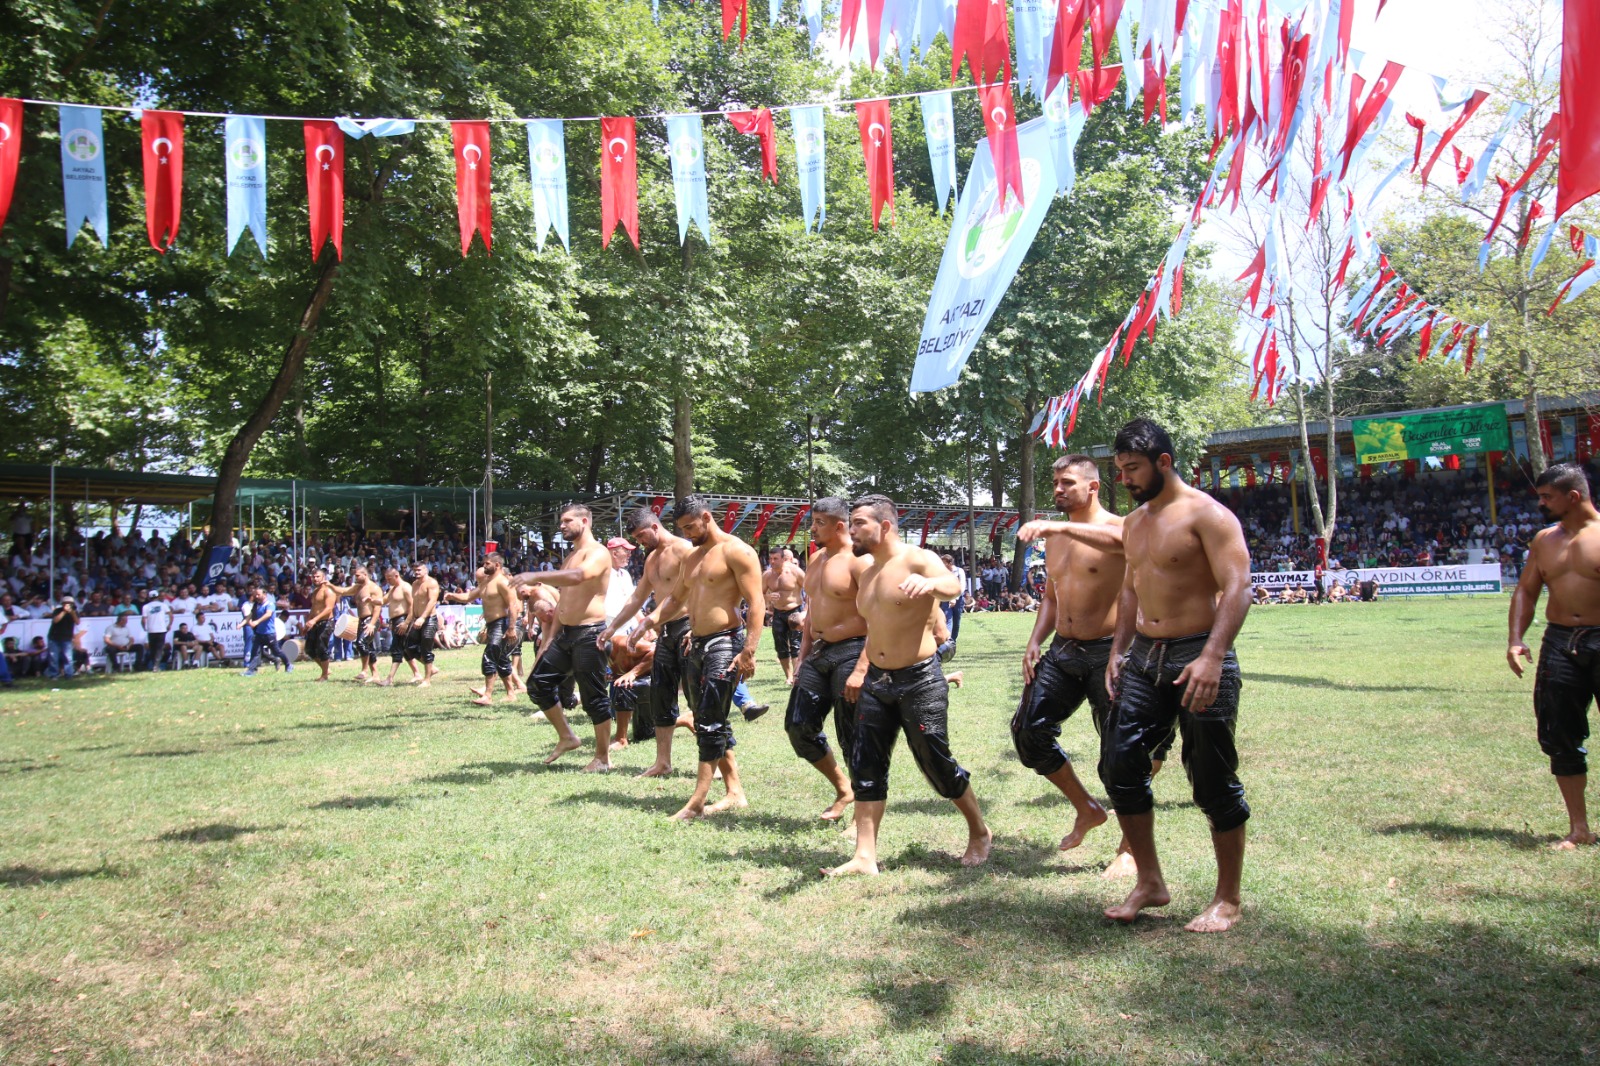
<point x="1449" y="833"/>
<point x="213" y="833"/>
<point x="443" y="716"/>
<point x="27" y="768"/>
<point x="357" y="803"/>
<point x="32" y="876"/>
<point x="1300" y="681"/>
<point x="479" y="773"/>
<point x="171" y="754"/>
<point x="665" y="805"/>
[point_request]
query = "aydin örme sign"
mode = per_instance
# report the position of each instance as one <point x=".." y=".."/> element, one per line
<point x="1398" y="580"/>
<point x="1463" y="431"/>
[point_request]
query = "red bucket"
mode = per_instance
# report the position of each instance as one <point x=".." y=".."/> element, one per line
<point x="490" y="545"/>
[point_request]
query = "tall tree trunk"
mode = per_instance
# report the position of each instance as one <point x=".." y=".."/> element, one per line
<point x="1530" y="398"/>
<point x="997" y="474"/>
<point x="597" y="453"/>
<point x="682" y="435"/>
<point x="424" y="415"/>
<point x="302" y="453"/>
<point x="1026" y="444"/>
<point x="224" y="501"/>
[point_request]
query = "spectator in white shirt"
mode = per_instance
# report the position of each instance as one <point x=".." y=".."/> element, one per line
<point x="157" y="617"/>
<point x="620" y="588"/>
<point x="125" y="635"/>
<point x="205" y="634"/>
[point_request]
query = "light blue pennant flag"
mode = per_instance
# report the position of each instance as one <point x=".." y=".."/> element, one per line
<point x="810" y="152"/>
<point x="811" y="11"/>
<point x="357" y="128"/>
<point x="986" y="245"/>
<point x="1480" y="173"/>
<point x="83" y="171"/>
<point x="1065" y="122"/>
<point x="938" y="123"/>
<point x="547" y="174"/>
<point x="244" y="139"/>
<point x="1032" y="66"/>
<point x="686" y="148"/>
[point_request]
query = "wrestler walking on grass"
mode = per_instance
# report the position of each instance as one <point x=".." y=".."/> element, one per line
<point x="718" y="573"/>
<point x="831" y="663"/>
<point x="499" y="601"/>
<point x="1185" y="596"/>
<point x="1566" y="559"/>
<point x="398" y="603"/>
<point x="783" y="583"/>
<point x="904" y="689"/>
<point x="575" y="652"/>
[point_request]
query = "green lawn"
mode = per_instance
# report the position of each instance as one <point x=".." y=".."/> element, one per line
<point x="200" y="868"/>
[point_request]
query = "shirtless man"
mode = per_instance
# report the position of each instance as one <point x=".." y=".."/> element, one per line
<point x="720" y="571"/>
<point x="424" y="623"/>
<point x="1566" y="558"/>
<point x="1185" y="596"/>
<point x="319" y="623"/>
<point x="663" y="570"/>
<point x="398" y="603"/>
<point x="368" y="598"/>
<point x="499" y="602"/>
<point x="903" y="689"/>
<point x="783" y="583"/>
<point x="832" y="661"/>
<point x="1084" y="572"/>
<point x="630" y="684"/>
<point x="573" y="651"/>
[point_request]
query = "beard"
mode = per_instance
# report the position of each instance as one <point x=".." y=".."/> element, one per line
<point x="1549" y="515"/>
<point x="697" y="541"/>
<point x="1158" y="481"/>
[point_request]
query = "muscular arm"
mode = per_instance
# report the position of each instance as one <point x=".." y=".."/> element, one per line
<point x="1524" y="601"/>
<point x="1044" y="626"/>
<point x="1230" y="569"/>
<point x="929" y="576"/>
<point x="1107" y="538"/>
<point x="746" y="567"/>
<point x="463" y="597"/>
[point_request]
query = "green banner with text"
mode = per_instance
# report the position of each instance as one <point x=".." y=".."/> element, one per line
<point x="1462" y="431"/>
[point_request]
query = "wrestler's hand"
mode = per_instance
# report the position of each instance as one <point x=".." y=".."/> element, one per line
<point x="1515" y="649"/>
<point x="917" y="585"/>
<point x="1113" y="675"/>
<point x="1035" y="529"/>
<point x="853" y="683"/>
<point x="1030" y="660"/>
<point x="625" y="681"/>
<point x="605" y="636"/>
<point x="646" y="624"/>
<point x="1200" y="681"/>
<point x="746" y="664"/>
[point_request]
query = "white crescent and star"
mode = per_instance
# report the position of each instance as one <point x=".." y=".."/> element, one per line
<point x="5" y="132"/>
<point x="472" y="160"/>
<point x="999" y="115"/>
<point x="617" y="153"/>
<point x="155" y="146"/>
<point x="876" y="132"/>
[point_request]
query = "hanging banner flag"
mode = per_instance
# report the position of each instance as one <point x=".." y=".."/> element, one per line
<point x="1473" y="103"/>
<point x="759" y="124"/>
<point x="357" y="128"/>
<point x="10" y="152"/>
<point x="619" y="180"/>
<point x="1579" y="176"/>
<point x="244" y="139"/>
<point x="1096" y="86"/>
<point x="938" y="126"/>
<point x="1065" y="122"/>
<point x="1065" y="50"/>
<point x="794" y="527"/>
<point x="730" y="516"/>
<point x="83" y="171"/>
<point x="810" y="155"/>
<point x="162" y="133"/>
<point x="1032" y="67"/>
<point x="980" y="37"/>
<point x="999" y="119"/>
<point x="325" y="185"/>
<point x="735" y="11"/>
<point x="686" y="147"/>
<point x="470" y="141"/>
<point x="877" y="144"/>
<point x="767" y="511"/>
<point x="986" y="246"/>
<point x="811" y="11"/>
<point x="1361" y="119"/>
<point x="1480" y="173"/>
<point x="547" y="173"/>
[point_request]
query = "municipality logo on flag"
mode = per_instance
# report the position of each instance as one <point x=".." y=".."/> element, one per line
<point x="938" y="128"/>
<point x="808" y="142"/>
<point x="246" y="154"/>
<point x="990" y="229"/>
<point x="545" y="156"/>
<point x="83" y="146"/>
<point x="686" y="151"/>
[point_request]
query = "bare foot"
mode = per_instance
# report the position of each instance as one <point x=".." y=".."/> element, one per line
<point x="618" y="744"/>
<point x="319" y="679"/>
<point x="563" y="746"/>
<point x="598" y="766"/>
<point x="1574" y="840"/>
<point x="978" y="849"/>
<point x="732" y="801"/>
<point x="483" y="701"/>
<point x="360" y="677"/>
<point x="690" y="813"/>
<point x="836" y="810"/>
<point x="424" y="684"/>
<point x="855" y="867"/>
<point x="1122" y="866"/>
<point x="656" y="770"/>
<point x="955" y="678"/>
<point x="1087" y="820"/>
<point x="1142" y="896"/>
<point x="1217" y="918"/>
<point x="385" y="683"/>
<point x="484" y="691"/>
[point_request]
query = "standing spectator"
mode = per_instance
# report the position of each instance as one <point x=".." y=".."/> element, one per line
<point x="62" y="623"/>
<point x="157" y="618"/>
<point x="620" y="589"/>
<point x="953" y="608"/>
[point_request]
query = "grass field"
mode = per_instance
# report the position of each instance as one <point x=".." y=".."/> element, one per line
<point x="200" y="868"/>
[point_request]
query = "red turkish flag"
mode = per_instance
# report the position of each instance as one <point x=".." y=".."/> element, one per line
<point x="1579" y="176"/>
<point x="730" y="516"/>
<point x="735" y="11"/>
<point x="767" y="510"/>
<point x="163" y="176"/>
<point x="877" y="144"/>
<point x="759" y="124"/>
<point x="1469" y="109"/>
<point x="657" y="504"/>
<point x="1102" y="24"/>
<point x="1066" y="48"/>
<point x="619" y="180"/>
<point x="10" y="152"/>
<point x="471" y="142"/>
<point x="325" y="185"/>
<point x="1000" y="120"/>
<point x="1096" y="86"/>
<point x="795" y="525"/>
<point x="926" y="524"/>
<point x="1361" y="120"/>
<point x="982" y="39"/>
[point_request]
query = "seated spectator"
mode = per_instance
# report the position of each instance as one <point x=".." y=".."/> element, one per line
<point x="1259" y="594"/>
<point x="205" y="635"/>
<point x="185" y="646"/>
<point x="38" y="658"/>
<point x="1336" y="593"/>
<point x="125" y="636"/>
<point x="17" y="659"/>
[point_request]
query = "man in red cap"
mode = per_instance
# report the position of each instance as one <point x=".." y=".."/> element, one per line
<point x="621" y="588"/>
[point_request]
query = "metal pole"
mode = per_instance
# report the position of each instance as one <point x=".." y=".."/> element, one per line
<point x="85" y="526"/>
<point x="488" y="452"/>
<point x="50" y="531"/>
<point x="472" y="532"/>
<point x="1493" y="519"/>
<point x="414" y="556"/>
<point x="293" y="503"/>
<point x="972" y="520"/>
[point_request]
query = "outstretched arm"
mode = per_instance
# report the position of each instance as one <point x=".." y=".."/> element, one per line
<point x="929" y="576"/>
<point x="1107" y="538"/>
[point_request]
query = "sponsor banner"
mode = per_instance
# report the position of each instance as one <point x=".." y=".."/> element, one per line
<point x="1462" y="431"/>
<point x="1453" y="580"/>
